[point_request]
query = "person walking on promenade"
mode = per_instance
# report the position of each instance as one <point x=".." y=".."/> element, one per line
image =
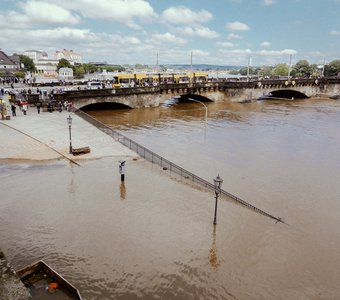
<point x="13" y="107"/>
<point x="38" y="107"/>
<point x="69" y="106"/>
<point x="49" y="107"/>
<point x="60" y="106"/>
<point x="24" y="107"/>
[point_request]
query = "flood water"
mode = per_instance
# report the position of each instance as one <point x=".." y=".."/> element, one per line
<point x="153" y="238"/>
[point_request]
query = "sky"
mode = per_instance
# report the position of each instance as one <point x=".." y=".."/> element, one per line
<point x="220" y="32"/>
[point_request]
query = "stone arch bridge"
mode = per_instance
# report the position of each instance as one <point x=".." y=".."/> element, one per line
<point x="236" y="91"/>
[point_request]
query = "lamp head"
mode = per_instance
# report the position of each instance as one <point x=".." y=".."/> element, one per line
<point x="69" y="120"/>
<point x="218" y="182"/>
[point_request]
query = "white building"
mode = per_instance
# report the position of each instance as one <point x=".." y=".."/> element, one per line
<point x="65" y="73"/>
<point x="70" y="55"/>
<point x="36" y="55"/>
<point x="45" y="66"/>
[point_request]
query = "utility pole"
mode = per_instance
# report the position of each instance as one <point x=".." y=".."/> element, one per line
<point x="289" y="67"/>
<point x="248" y="69"/>
<point x="157" y="67"/>
<point x="323" y="67"/>
<point x="191" y="66"/>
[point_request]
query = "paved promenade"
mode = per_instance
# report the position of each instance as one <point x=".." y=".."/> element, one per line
<point x="45" y="136"/>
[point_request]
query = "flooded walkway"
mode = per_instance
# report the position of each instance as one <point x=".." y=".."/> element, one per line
<point x="153" y="238"/>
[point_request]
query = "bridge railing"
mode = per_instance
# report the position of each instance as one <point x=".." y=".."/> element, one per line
<point x="166" y="164"/>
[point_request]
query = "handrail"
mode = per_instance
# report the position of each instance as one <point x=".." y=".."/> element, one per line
<point x="166" y="164"/>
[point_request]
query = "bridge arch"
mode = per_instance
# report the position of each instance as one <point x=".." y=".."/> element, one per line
<point x="104" y="106"/>
<point x="289" y="94"/>
<point x="186" y="97"/>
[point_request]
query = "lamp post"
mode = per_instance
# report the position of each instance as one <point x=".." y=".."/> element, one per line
<point x="248" y="68"/>
<point x="191" y="78"/>
<point x="122" y="170"/>
<point x="69" y="122"/>
<point x="206" y="108"/>
<point x="217" y="182"/>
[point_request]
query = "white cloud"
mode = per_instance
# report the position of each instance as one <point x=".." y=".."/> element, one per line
<point x="241" y="51"/>
<point x="70" y="38"/>
<point x="234" y="36"/>
<point x="334" y="32"/>
<point x="206" y="33"/>
<point x="47" y="13"/>
<point x="278" y="52"/>
<point x="184" y="15"/>
<point x="268" y="2"/>
<point x="166" y="38"/>
<point x="112" y="10"/>
<point x="36" y="13"/>
<point x="265" y="44"/>
<point x="235" y="56"/>
<point x="237" y="26"/>
<point x="269" y="57"/>
<point x="199" y="53"/>
<point x="200" y="31"/>
<point x="225" y="44"/>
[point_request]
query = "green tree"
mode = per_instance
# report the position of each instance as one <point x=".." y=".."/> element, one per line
<point x="266" y="71"/>
<point x="139" y="66"/>
<point x="302" y="69"/>
<point x="78" y="71"/>
<point x="63" y="63"/>
<point x="281" y="70"/>
<point x="89" y="68"/>
<point x="333" y="68"/>
<point x="20" y="74"/>
<point x="112" y="68"/>
<point x="28" y="63"/>
<point x="234" y="72"/>
<point x="315" y="71"/>
<point x="244" y="71"/>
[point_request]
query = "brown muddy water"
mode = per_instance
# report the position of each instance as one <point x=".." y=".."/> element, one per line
<point x="153" y="238"/>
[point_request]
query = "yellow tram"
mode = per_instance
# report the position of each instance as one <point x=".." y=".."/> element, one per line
<point x="152" y="79"/>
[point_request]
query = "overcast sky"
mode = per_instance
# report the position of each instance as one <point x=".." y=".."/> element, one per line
<point x="225" y="32"/>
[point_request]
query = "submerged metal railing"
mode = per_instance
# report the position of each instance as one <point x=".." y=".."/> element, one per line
<point x="164" y="163"/>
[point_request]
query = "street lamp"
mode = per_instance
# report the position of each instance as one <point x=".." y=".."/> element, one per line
<point x="217" y="182"/>
<point x="69" y="122"/>
<point x="206" y="108"/>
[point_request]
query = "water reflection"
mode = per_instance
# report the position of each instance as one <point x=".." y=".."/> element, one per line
<point x="122" y="190"/>
<point x="72" y="186"/>
<point x="213" y="259"/>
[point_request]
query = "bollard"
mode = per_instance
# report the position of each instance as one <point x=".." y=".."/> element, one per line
<point x="122" y="169"/>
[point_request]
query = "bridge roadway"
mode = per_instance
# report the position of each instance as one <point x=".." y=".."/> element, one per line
<point x="236" y="91"/>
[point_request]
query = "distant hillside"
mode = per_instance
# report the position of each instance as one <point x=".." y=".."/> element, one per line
<point x="201" y="67"/>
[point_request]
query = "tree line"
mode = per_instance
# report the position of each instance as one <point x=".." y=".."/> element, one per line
<point x="302" y="69"/>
